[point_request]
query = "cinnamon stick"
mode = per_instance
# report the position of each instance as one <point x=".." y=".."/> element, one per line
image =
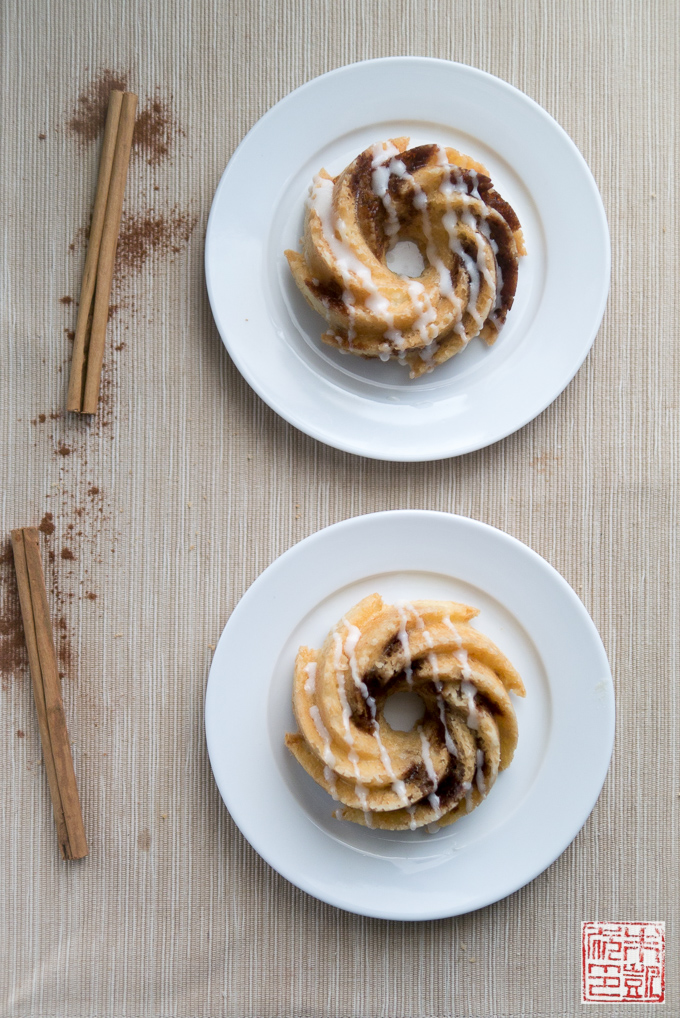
<point x="76" y="384"/>
<point x="86" y="366"/>
<point x="47" y="694"/>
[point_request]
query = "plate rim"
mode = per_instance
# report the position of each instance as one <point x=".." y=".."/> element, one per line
<point x="607" y="724"/>
<point x="337" y="439"/>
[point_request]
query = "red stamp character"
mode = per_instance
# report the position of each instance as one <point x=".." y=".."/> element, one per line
<point x="623" y="961"/>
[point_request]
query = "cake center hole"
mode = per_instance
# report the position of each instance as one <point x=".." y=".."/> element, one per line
<point x="403" y="710"/>
<point x="405" y="259"/>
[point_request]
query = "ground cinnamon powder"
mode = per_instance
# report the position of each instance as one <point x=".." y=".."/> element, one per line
<point x="151" y="233"/>
<point x="13" y="655"/>
<point x="154" y="130"/>
<point x="147" y="233"/>
<point x="155" y="126"/>
<point x="46" y="525"/>
<point x="89" y="117"/>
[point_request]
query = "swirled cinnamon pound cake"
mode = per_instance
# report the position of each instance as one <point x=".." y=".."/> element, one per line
<point x="467" y="241"/>
<point x="448" y="762"/>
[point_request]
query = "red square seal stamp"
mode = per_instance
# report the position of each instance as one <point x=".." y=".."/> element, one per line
<point x="623" y="961"/>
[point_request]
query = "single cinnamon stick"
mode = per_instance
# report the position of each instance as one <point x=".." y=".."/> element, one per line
<point x="107" y="252"/>
<point x="76" y="384"/>
<point x="47" y="694"/>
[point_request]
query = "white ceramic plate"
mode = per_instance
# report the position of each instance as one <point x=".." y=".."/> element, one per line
<point x="367" y="407"/>
<point x="566" y="722"/>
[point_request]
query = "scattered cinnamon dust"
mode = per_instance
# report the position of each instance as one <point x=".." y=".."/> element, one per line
<point x="13" y="655"/>
<point x="58" y="552"/>
<point x="144" y="234"/>
<point x="155" y="127"/>
<point x="89" y="117"/>
<point x="147" y="234"/>
<point x="154" y="130"/>
<point x="154" y="233"/>
<point x="82" y="236"/>
<point x="46" y="525"/>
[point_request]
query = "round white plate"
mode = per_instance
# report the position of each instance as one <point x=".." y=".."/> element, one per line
<point x="566" y="722"/>
<point x="367" y="407"/>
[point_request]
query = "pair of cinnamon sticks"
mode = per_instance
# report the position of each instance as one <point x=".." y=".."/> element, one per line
<point x="42" y="659"/>
<point x="93" y="311"/>
<point x="83" y="397"/>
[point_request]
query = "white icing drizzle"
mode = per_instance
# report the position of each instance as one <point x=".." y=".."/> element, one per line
<point x="349" y="265"/>
<point x="433" y="798"/>
<point x="326" y="752"/>
<point x="349" y="302"/>
<point x="450" y="744"/>
<point x="320" y="200"/>
<point x="315" y="714"/>
<point x="352" y="756"/>
<point x="402" y="636"/>
<point x="427" y="314"/>
<point x="310" y="683"/>
<point x="478" y="224"/>
<point x="380" y="182"/>
<point x="350" y="646"/>
<point x="468" y="690"/>
<point x="329" y="775"/>
<point x="344" y="652"/>
<point x="442" y="157"/>
<point x="498" y="283"/>
<point x="446" y="288"/>
<point x="456" y="635"/>
<point x="342" y="692"/>
<point x="421" y="302"/>
<point x="351" y="640"/>
<point x="462" y="656"/>
<point x="382" y="151"/>
<point x="385" y="163"/>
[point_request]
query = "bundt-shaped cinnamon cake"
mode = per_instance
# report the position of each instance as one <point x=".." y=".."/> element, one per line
<point x="469" y="239"/>
<point x="447" y="764"/>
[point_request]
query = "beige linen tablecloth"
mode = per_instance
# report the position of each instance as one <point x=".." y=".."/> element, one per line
<point x="169" y="504"/>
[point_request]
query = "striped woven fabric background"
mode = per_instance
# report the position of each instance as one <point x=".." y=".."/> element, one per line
<point x="168" y="505"/>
